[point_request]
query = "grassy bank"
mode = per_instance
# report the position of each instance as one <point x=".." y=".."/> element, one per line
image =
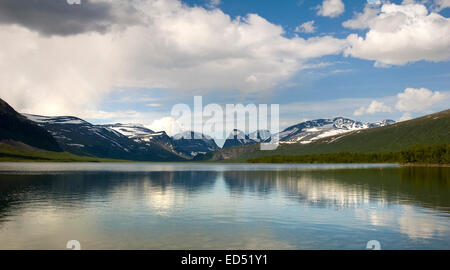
<point x="419" y="154"/>
<point x="12" y="154"/>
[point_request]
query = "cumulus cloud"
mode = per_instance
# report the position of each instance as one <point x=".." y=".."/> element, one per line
<point x="442" y="4"/>
<point x="374" y="107"/>
<point x="244" y="53"/>
<point x="407" y="104"/>
<point x="307" y="27"/>
<point x="178" y="47"/>
<point x="399" y="34"/>
<point x="168" y="124"/>
<point x="363" y="20"/>
<point x="331" y="8"/>
<point x="418" y="100"/>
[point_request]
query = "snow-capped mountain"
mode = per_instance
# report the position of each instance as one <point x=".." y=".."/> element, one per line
<point x="239" y="138"/>
<point x="187" y="143"/>
<point x="382" y="123"/>
<point x="191" y="143"/>
<point x="136" y="142"/>
<point x="309" y="131"/>
<point x="48" y="120"/>
<point x="80" y="137"/>
<point x="142" y="135"/>
<point x="261" y="135"/>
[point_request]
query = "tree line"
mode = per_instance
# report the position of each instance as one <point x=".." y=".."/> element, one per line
<point x="421" y="154"/>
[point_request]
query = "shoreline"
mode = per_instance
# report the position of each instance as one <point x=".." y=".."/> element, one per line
<point x="131" y="161"/>
<point x="424" y="165"/>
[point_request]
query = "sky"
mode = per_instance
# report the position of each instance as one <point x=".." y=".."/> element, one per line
<point x="131" y="61"/>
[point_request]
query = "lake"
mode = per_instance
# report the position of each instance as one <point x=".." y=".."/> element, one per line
<point x="223" y="206"/>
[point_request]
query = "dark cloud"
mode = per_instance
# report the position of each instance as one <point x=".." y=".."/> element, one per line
<point x="57" y="17"/>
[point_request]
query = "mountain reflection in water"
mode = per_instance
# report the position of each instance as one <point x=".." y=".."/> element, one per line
<point x="153" y="206"/>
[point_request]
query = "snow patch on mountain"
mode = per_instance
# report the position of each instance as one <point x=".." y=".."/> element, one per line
<point x="131" y="130"/>
<point x="188" y="135"/>
<point x="66" y="120"/>
<point x="142" y="135"/>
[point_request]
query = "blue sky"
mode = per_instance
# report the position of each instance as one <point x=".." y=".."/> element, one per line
<point x="393" y="63"/>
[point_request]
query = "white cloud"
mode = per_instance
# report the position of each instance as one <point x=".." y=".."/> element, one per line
<point x="307" y="27"/>
<point x="177" y="46"/>
<point x="405" y="117"/>
<point x="442" y="4"/>
<point x="400" y="34"/>
<point x="104" y="115"/>
<point x="331" y="8"/>
<point x="168" y="124"/>
<point x="154" y="105"/>
<point x="363" y="20"/>
<point x="418" y="100"/>
<point x="214" y="3"/>
<point x="374" y="107"/>
<point x="55" y="76"/>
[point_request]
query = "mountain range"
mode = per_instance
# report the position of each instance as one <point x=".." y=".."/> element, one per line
<point x="114" y="141"/>
<point x="427" y="130"/>
<point x="304" y="132"/>
<point x="239" y="138"/>
<point x="191" y="144"/>
<point x="79" y="137"/>
<point x="136" y="142"/>
<point x="186" y="144"/>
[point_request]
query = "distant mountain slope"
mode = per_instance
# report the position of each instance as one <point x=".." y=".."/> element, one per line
<point x="191" y="145"/>
<point x="16" y="128"/>
<point x="239" y="138"/>
<point x="304" y="132"/>
<point x="309" y="131"/>
<point x="430" y="129"/>
<point x="143" y="135"/>
<point x="184" y="144"/>
<point x="82" y="138"/>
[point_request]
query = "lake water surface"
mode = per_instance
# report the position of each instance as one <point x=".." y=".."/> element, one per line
<point x="222" y="206"/>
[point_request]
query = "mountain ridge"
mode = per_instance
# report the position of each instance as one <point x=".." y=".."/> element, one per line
<point x="429" y="129"/>
<point x="191" y="143"/>
<point x="138" y="143"/>
<point x="304" y="132"/>
<point x="80" y="137"/>
<point x="309" y="131"/>
<point x="16" y="129"/>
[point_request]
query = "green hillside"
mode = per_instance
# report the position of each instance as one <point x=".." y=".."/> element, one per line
<point x="428" y="130"/>
<point x="419" y="154"/>
<point x="10" y="153"/>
